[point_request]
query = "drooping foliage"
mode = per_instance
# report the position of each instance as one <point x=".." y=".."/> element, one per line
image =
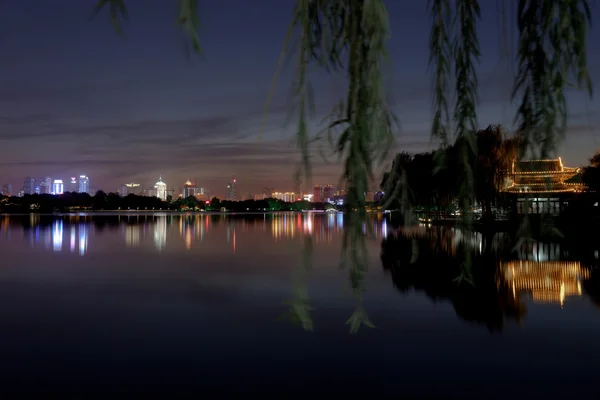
<point x="551" y="56"/>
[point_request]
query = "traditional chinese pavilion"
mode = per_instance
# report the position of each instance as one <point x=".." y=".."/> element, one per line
<point x="543" y="186"/>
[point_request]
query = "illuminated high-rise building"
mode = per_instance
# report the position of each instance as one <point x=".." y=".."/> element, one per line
<point x="131" y="188"/>
<point x="29" y="185"/>
<point x="323" y="193"/>
<point x="73" y="184"/>
<point x="288" y="197"/>
<point x="57" y="186"/>
<point x="6" y="189"/>
<point x="161" y="189"/>
<point x="45" y="185"/>
<point x="189" y="189"/>
<point x="231" y="189"/>
<point x="84" y="184"/>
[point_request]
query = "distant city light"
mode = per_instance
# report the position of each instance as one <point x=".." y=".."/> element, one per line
<point x="57" y="186"/>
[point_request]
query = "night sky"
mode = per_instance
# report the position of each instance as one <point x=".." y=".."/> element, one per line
<point x="77" y="99"/>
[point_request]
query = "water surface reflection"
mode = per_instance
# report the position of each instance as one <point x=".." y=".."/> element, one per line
<point x="180" y="301"/>
<point x="189" y="228"/>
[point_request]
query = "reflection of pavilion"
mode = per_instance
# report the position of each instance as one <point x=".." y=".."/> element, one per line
<point x="547" y="281"/>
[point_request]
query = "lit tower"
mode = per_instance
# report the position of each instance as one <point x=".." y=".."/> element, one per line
<point x="45" y="185"/>
<point x="57" y="186"/>
<point x="131" y="188"/>
<point x="84" y="184"/>
<point x="73" y="184"/>
<point x="161" y="189"/>
<point x="29" y="185"/>
<point x="189" y="189"/>
<point x="231" y="191"/>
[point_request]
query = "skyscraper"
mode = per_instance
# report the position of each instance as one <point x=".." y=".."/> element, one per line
<point x="57" y="187"/>
<point x="6" y="189"/>
<point x="29" y="185"/>
<point x="231" y="190"/>
<point x="161" y="189"/>
<point x="84" y="184"/>
<point x="73" y="184"/>
<point x="189" y="189"/>
<point x="323" y="193"/>
<point x="45" y="185"/>
<point x="131" y="188"/>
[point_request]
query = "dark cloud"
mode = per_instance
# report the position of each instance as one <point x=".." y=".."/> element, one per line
<point x="85" y="89"/>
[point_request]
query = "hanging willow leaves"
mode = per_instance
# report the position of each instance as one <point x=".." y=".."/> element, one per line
<point x="551" y="57"/>
<point x="440" y="59"/>
<point x="461" y="48"/>
<point x="466" y="54"/>
<point x="187" y="20"/>
<point x="116" y="11"/>
<point x="349" y="35"/>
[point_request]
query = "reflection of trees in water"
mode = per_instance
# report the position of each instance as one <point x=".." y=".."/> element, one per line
<point x="591" y="286"/>
<point x="435" y="269"/>
<point x="299" y="311"/>
<point x="544" y="272"/>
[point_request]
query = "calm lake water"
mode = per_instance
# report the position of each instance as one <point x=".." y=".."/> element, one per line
<point x="157" y="302"/>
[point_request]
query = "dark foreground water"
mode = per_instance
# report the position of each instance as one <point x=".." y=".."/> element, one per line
<point x="182" y="303"/>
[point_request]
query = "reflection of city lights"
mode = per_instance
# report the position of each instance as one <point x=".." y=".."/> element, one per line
<point x="340" y="220"/>
<point x="83" y="238"/>
<point x="308" y="224"/>
<point x="188" y="239"/>
<point x="323" y="227"/>
<point x="283" y="226"/>
<point x="72" y="241"/>
<point x="4" y="226"/>
<point x="160" y="232"/>
<point x="331" y="220"/>
<point x="186" y="230"/>
<point x="132" y="235"/>
<point x="57" y="235"/>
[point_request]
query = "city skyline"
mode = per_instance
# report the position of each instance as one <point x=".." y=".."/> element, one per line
<point x="82" y="185"/>
<point x="128" y="109"/>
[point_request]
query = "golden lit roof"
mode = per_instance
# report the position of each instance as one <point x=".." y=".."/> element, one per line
<point x="529" y="175"/>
